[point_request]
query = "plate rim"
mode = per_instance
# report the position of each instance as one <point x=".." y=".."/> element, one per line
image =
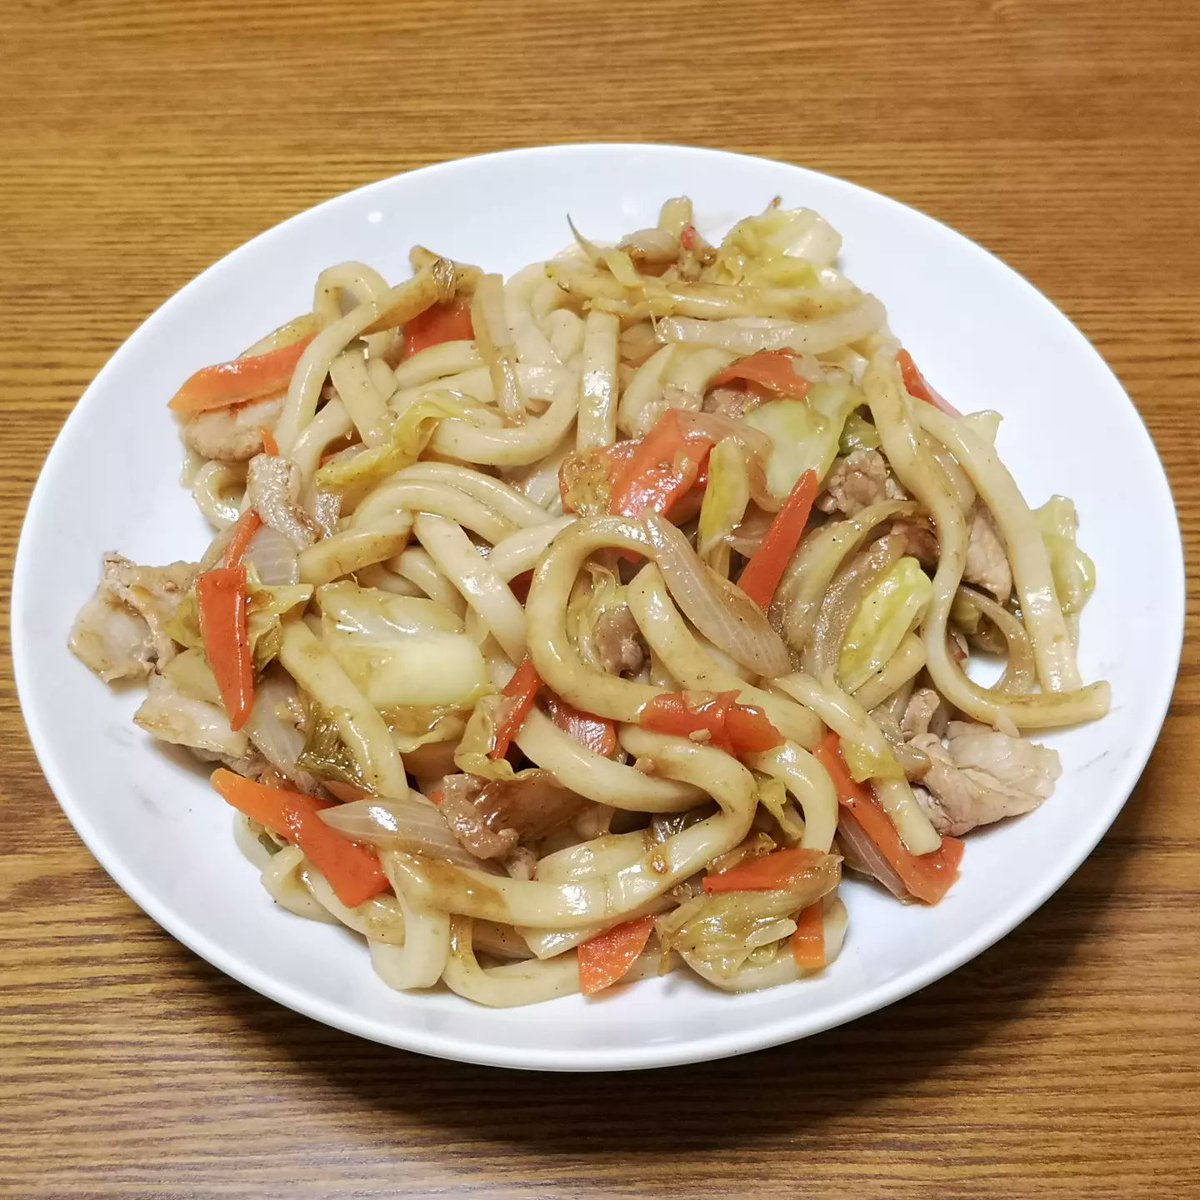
<point x="746" y="1039"/>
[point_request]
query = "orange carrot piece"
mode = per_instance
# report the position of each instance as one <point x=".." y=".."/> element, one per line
<point x="449" y="321"/>
<point x="662" y="469"/>
<point x="222" y="596"/>
<point x="771" y="369"/>
<point x="353" y="870"/>
<point x="242" y="379"/>
<point x="927" y="876"/>
<point x="519" y="694"/>
<point x="248" y="525"/>
<point x="608" y="957"/>
<point x="778" y="871"/>
<point x="270" y="445"/>
<point x="808" y="942"/>
<point x="735" y="728"/>
<point x="918" y="386"/>
<point x="761" y="575"/>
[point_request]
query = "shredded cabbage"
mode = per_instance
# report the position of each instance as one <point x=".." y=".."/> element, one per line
<point x="882" y="620"/>
<point x="725" y="501"/>
<point x="721" y="932"/>
<point x="858" y="434"/>
<point x="376" y="615"/>
<point x="864" y="763"/>
<point x="772" y="795"/>
<point x="407" y="438"/>
<point x="1073" y="571"/>
<point x="190" y="673"/>
<point x="471" y="756"/>
<point x="597" y="590"/>
<point x="414" y="726"/>
<point x="401" y="651"/>
<point x="781" y="247"/>
<point x="265" y="607"/>
<point x="804" y="433"/>
<point x="326" y="756"/>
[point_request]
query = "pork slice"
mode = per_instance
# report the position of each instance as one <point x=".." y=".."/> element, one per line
<point x="619" y="642"/>
<point x="987" y="559"/>
<point x="978" y="776"/>
<point x="232" y="434"/>
<point x="273" y="490"/>
<point x="119" y="632"/>
<point x="171" y="716"/>
<point x="858" y="481"/>
<point x="491" y="817"/>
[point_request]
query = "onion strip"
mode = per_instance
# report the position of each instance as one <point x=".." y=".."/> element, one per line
<point x="717" y="607"/>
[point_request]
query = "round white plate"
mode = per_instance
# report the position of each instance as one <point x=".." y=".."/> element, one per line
<point x="982" y="334"/>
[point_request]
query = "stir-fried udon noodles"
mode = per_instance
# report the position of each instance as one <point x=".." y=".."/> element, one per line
<point x="575" y="627"/>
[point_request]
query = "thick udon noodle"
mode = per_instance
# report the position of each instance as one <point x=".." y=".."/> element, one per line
<point x="572" y="356"/>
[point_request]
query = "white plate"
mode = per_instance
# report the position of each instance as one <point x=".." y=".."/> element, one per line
<point x="982" y="334"/>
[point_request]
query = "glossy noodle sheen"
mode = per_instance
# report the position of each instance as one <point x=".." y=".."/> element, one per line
<point x="477" y="563"/>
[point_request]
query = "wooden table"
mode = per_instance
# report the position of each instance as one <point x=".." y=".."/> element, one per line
<point x="142" y="141"/>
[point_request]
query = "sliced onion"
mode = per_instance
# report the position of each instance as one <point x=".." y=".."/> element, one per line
<point x="1021" y="672"/>
<point x="493" y="337"/>
<point x="273" y="489"/>
<point x="273" y="558"/>
<point x="591" y="251"/>
<point x="413" y="825"/>
<point x="842" y="599"/>
<point x="652" y="245"/>
<point x="719" y="426"/>
<point x="719" y="609"/>
<point x="272" y="726"/>
<point x="748" y="536"/>
<point x="862" y="855"/>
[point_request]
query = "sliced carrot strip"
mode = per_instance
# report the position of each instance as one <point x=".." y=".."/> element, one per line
<point x="519" y="694"/>
<point x="761" y="575"/>
<point x="353" y="870"/>
<point x="608" y="957"/>
<point x="771" y="369"/>
<point x="449" y="321"/>
<point x="927" y="876"/>
<point x="222" y="597"/>
<point x="242" y="379"/>
<point x="778" y="871"/>
<point x="248" y="525"/>
<point x="808" y="942"/>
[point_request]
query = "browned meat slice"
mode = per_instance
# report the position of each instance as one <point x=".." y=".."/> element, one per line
<point x="619" y="642"/>
<point x="858" y="481"/>
<point x="273" y="490"/>
<point x="732" y="402"/>
<point x="920" y="540"/>
<point x="119" y="632"/>
<point x="232" y="434"/>
<point x="979" y="776"/>
<point x="987" y="560"/>
<point x="490" y="817"/>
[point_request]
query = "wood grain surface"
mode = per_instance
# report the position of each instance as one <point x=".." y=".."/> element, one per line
<point x="139" y="142"/>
